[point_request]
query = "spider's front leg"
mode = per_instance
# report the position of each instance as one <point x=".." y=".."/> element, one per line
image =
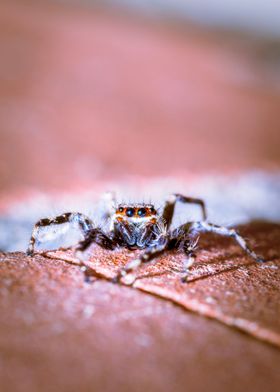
<point x="96" y="236"/>
<point x="84" y="222"/>
<point x="146" y="257"/>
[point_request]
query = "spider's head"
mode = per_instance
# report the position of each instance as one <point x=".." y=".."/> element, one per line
<point x="136" y="213"/>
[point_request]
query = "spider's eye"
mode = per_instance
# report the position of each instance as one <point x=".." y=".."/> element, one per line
<point x="121" y="209"/>
<point x="153" y="211"/>
<point x="130" y="212"/>
<point x="141" y="212"/>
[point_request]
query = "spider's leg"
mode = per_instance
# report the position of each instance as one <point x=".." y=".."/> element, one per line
<point x="97" y="236"/>
<point x="84" y="222"/>
<point x="183" y="239"/>
<point x="188" y="262"/>
<point x="146" y="257"/>
<point x="204" y="227"/>
<point x="169" y="207"/>
<point x="189" y="246"/>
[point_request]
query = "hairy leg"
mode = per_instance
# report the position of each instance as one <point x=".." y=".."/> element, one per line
<point x="189" y="246"/>
<point x="183" y="240"/>
<point x="204" y="227"/>
<point x="188" y="262"/>
<point x="84" y="223"/>
<point x="97" y="236"/>
<point x="169" y="207"/>
<point x="146" y="257"/>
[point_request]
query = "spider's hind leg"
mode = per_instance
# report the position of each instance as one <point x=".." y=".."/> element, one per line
<point x="189" y="247"/>
<point x="84" y="222"/>
<point x="188" y="262"/>
<point x="183" y="240"/>
<point x="204" y="227"/>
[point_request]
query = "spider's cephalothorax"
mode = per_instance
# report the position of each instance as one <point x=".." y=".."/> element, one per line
<point x="135" y="225"/>
<point x="140" y="226"/>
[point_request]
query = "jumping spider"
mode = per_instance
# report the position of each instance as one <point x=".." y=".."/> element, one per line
<point x="140" y="226"/>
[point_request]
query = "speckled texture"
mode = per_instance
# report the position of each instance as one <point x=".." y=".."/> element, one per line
<point x="225" y="283"/>
<point x="60" y="333"/>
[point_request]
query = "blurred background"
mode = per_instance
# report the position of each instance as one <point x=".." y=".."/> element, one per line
<point x="97" y="90"/>
<point x="144" y="98"/>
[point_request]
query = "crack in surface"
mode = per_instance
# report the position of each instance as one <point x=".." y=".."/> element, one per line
<point x="229" y="288"/>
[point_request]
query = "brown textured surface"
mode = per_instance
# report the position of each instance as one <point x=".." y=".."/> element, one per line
<point x="59" y="333"/>
<point x="225" y="284"/>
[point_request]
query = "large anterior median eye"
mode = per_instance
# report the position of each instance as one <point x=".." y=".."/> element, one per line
<point x="141" y="212"/>
<point x="130" y="212"/>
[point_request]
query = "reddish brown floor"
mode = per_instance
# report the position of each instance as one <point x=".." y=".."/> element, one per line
<point x="59" y="333"/>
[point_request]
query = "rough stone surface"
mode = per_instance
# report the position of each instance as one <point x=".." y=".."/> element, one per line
<point x="60" y="333"/>
<point x="225" y="283"/>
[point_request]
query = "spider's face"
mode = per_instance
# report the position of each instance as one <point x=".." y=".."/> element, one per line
<point x="138" y="224"/>
<point x="135" y="224"/>
<point x="136" y="213"/>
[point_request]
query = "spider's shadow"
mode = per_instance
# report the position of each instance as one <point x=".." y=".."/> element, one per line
<point x="208" y="275"/>
<point x="92" y="273"/>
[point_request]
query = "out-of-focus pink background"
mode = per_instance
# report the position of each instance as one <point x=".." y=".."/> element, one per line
<point x="98" y="94"/>
<point x="88" y="93"/>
